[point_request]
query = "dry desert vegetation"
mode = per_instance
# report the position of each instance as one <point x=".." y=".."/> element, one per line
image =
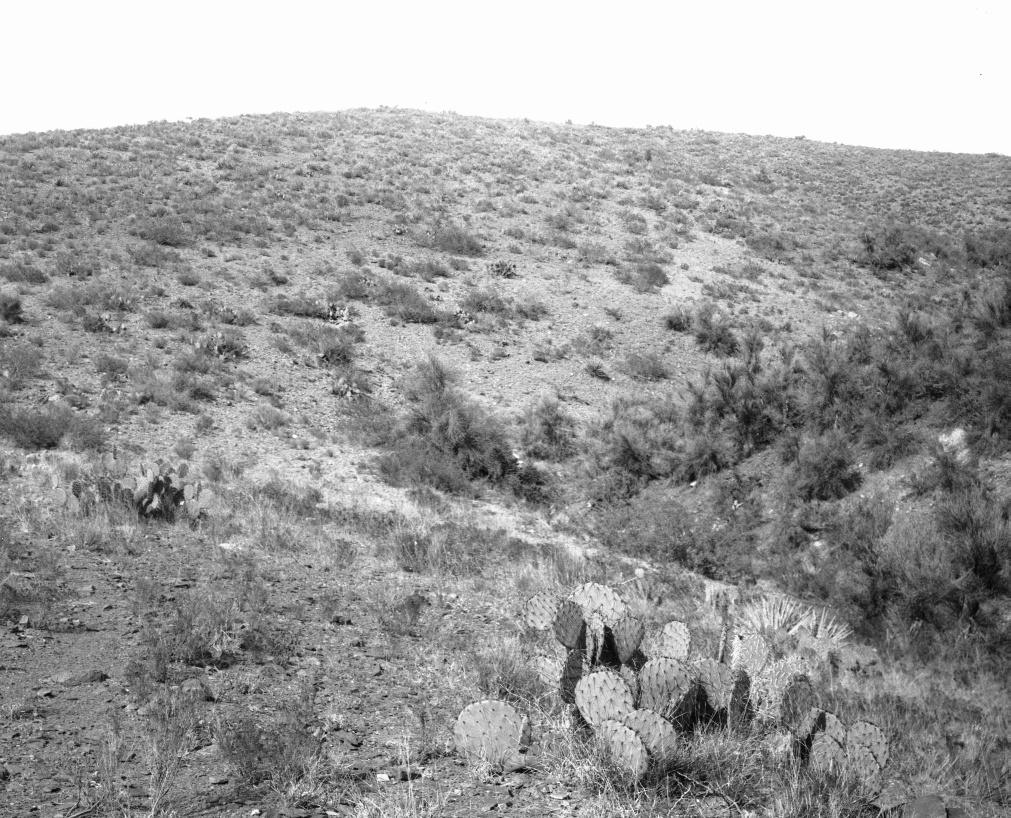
<point x="387" y="463"/>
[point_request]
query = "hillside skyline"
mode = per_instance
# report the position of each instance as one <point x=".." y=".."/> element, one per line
<point x="878" y="76"/>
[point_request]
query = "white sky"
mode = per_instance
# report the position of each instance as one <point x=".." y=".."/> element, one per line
<point x="923" y="75"/>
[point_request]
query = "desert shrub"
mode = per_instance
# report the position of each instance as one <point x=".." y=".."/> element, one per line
<point x="333" y="346"/>
<point x="775" y="245"/>
<point x="428" y="270"/>
<point x="456" y="240"/>
<point x="921" y="584"/>
<point x="825" y="468"/>
<point x="993" y="312"/>
<point x="302" y="306"/>
<point x="594" y="253"/>
<point x="976" y="528"/>
<point x="892" y="246"/>
<point x="650" y="277"/>
<point x="485" y="299"/>
<point x="110" y="365"/>
<point x="886" y="443"/>
<point x="646" y="367"/>
<point x="704" y="454"/>
<point x="35" y="428"/>
<point x="402" y="301"/>
<point x="167" y="231"/>
<point x="680" y="320"/>
<point x="19" y="362"/>
<point x="446" y="439"/>
<point x="10" y="308"/>
<point x="159" y="319"/>
<point x="22" y="272"/>
<point x="989" y="248"/>
<point x="548" y="430"/>
<point x="713" y="332"/>
<point x="530" y="308"/>
<point x="151" y="254"/>
<point x="281" y="752"/>
<point x="450" y="548"/>
<point x="664" y="531"/>
<point x="637" y="441"/>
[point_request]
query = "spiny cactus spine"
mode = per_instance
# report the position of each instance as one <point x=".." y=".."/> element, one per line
<point x="490" y="731"/>
<point x="657" y="734"/>
<point x="624" y="747"/>
<point x="667" y="688"/>
<point x="539" y="611"/>
<point x="673" y="641"/>
<point x="603" y="695"/>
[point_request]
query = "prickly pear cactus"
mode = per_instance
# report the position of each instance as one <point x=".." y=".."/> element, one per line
<point x="657" y="734"/>
<point x="797" y="706"/>
<point x="749" y="652"/>
<point x="717" y="680"/>
<point x="596" y="635"/>
<point x="673" y="641"/>
<point x="828" y="748"/>
<point x="624" y="747"/>
<point x="539" y="611"/>
<point x="569" y="625"/>
<point x="592" y="597"/>
<point x="577" y="665"/>
<point x="603" y="695"/>
<point x="666" y="687"/>
<point x="632" y="680"/>
<point x="741" y="709"/>
<point x="926" y="806"/>
<point x="628" y="633"/>
<point x="490" y="731"/>
<point x="867" y="755"/>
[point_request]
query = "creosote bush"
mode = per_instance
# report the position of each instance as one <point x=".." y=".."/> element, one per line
<point x="446" y="440"/>
<point x="825" y="468"/>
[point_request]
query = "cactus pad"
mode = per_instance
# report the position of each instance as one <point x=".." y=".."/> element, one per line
<point x="577" y="665"/>
<point x="490" y="731"/>
<point x="628" y="632"/>
<point x="717" y="680"/>
<point x="596" y="635"/>
<point x="828" y="751"/>
<point x="569" y="625"/>
<point x="741" y="710"/>
<point x="603" y="695"/>
<point x="750" y="653"/>
<point x="665" y="687"/>
<point x="797" y="705"/>
<point x="869" y="736"/>
<point x="925" y="806"/>
<point x="624" y="747"/>
<point x="539" y="611"/>
<point x="632" y="680"/>
<point x="657" y="734"/>
<point x="601" y="600"/>
<point x="673" y="641"/>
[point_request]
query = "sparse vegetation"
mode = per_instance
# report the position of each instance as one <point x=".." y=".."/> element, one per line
<point x="821" y="411"/>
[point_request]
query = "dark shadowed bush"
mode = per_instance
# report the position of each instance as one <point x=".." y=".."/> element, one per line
<point x="825" y="468"/>
<point x="456" y="240"/>
<point x="548" y="430"/>
<point x="446" y="440"/>
<point x="713" y="332"/>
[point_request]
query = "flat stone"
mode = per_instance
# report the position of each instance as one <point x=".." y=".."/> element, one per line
<point x="71" y="679"/>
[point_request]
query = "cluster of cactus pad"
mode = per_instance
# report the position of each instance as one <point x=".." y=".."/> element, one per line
<point x="160" y="491"/>
<point x="638" y="689"/>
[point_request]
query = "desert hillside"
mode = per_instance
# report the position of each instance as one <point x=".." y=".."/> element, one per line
<point x="316" y="429"/>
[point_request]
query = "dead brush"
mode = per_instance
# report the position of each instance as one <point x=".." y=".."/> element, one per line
<point x="279" y="753"/>
<point x="169" y="731"/>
